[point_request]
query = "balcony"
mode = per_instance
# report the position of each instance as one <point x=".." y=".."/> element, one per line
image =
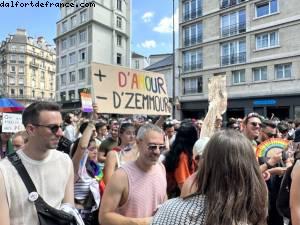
<point x="233" y="29"/>
<point x="34" y="64"/>
<point x="194" y="90"/>
<point x="192" y="67"/>
<point x="193" y="40"/>
<point x="28" y="97"/>
<point x="233" y="59"/>
<point x="229" y="3"/>
<point x="193" y="14"/>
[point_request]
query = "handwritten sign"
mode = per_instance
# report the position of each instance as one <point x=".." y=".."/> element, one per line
<point x="86" y="102"/>
<point x="12" y="123"/>
<point x="126" y="91"/>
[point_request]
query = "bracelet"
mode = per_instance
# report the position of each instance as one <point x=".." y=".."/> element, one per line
<point x="269" y="166"/>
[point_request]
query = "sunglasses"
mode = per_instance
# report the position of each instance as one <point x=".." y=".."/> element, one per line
<point x="270" y="135"/>
<point x="53" y="127"/>
<point x="153" y="147"/>
<point x="256" y="124"/>
<point x="253" y="114"/>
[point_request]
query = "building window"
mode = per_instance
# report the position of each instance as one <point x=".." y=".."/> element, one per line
<point x="64" y="26"/>
<point x="21" y="92"/>
<point x="82" y="55"/>
<point x="233" y="52"/>
<point x="42" y="75"/>
<point x="63" y="96"/>
<point x="267" y="40"/>
<point x="119" y="5"/>
<point x="83" y="16"/>
<point x="73" y="21"/>
<point x="12" y="80"/>
<point x="22" y="48"/>
<point x="82" y="36"/>
<point x="12" y="69"/>
<point x="192" y="34"/>
<point x="192" y="60"/>
<point x="63" y="79"/>
<point x="72" y="58"/>
<point x="238" y="76"/>
<point x="119" y="40"/>
<point x="233" y="23"/>
<point x="72" y="40"/>
<point x="260" y="73"/>
<point x="12" y="91"/>
<point x="72" y="77"/>
<point x="192" y="9"/>
<point x="137" y="64"/>
<point x="71" y="94"/>
<point x="266" y="8"/>
<point x="283" y="71"/>
<point x="229" y="3"/>
<point x="64" y="44"/>
<point x="192" y="85"/>
<point x="63" y="61"/>
<point x="119" y="22"/>
<point x="119" y="59"/>
<point x="81" y="74"/>
<point x="13" y="59"/>
<point x="21" y="59"/>
<point x="21" y="69"/>
<point x="21" y="81"/>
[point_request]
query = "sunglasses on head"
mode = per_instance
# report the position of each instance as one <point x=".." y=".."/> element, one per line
<point x="253" y="114"/>
<point x="153" y="147"/>
<point x="255" y="124"/>
<point x="53" y="127"/>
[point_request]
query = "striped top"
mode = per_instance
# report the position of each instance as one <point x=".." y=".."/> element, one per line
<point x="146" y="190"/>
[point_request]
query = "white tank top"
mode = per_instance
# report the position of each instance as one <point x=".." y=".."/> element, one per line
<point x="50" y="178"/>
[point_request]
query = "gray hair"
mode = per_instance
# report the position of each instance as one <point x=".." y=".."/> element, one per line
<point x="146" y="129"/>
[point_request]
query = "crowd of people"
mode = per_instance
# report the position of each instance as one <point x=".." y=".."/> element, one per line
<point x="132" y="171"/>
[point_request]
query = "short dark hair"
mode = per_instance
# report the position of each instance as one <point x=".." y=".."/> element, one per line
<point x="99" y="125"/>
<point x="283" y="127"/>
<point x="32" y="112"/>
<point x="268" y="123"/>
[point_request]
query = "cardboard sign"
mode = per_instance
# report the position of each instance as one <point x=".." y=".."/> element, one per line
<point x="86" y="102"/>
<point x="126" y="91"/>
<point x="12" y="123"/>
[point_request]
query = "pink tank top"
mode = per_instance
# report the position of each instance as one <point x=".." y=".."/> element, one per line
<point x="146" y="190"/>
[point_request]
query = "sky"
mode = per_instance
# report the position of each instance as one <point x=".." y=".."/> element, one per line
<point x="151" y="24"/>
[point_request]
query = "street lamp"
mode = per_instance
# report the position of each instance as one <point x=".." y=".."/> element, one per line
<point x="173" y="69"/>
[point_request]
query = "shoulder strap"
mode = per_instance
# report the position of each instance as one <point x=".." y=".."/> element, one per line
<point x="17" y="163"/>
<point x="118" y="159"/>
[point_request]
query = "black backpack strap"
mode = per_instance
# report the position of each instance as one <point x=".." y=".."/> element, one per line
<point x="17" y="163"/>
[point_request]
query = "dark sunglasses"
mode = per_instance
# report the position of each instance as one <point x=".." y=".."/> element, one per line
<point x="253" y="114"/>
<point x="153" y="147"/>
<point x="270" y="135"/>
<point x="255" y="124"/>
<point x="53" y="127"/>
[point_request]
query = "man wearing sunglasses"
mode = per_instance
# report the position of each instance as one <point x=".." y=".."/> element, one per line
<point x="50" y="170"/>
<point x="251" y="126"/>
<point x="137" y="189"/>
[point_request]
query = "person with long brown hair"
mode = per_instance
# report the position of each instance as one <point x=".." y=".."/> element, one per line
<point x="228" y="188"/>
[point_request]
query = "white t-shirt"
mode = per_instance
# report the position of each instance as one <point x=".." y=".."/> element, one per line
<point x="50" y="177"/>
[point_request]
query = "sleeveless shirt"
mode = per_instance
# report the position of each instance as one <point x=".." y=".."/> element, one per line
<point x="50" y="177"/>
<point x="146" y="190"/>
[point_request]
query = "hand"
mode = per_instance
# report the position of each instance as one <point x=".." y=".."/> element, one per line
<point x="276" y="158"/>
<point x="277" y="171"/>
<point x="266" y="175"/>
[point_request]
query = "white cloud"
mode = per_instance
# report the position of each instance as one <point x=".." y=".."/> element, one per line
<point x="165" y="25"/>
<point x="149" y="44"/>
<point x="147" y="16"/>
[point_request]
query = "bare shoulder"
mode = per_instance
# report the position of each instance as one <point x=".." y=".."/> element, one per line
<point x="118" y="180"/>
<point x="188" y="187"/>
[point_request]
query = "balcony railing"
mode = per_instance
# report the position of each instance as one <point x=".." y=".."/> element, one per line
<point x="229" y="3"/>
<point x="233" y="29"/>
<point x="29" y="97"/>
<point x="34" y="64"/>
<point x="193" y="66"/>
<point x="233" y="59"/>
<point x="193" y="40"/>
<point x="194" y="90"/>
<point x="192" y="14"/>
